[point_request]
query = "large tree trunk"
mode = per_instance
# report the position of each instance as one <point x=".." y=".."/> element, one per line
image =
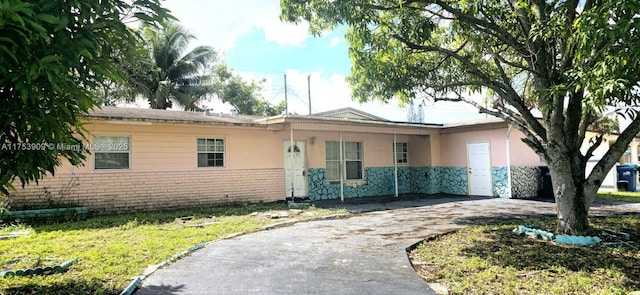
<point x="571" y="201"/>
<point x="567" y="168"/>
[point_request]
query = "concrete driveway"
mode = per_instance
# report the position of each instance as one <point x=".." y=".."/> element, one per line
<point x="362" y="254"/>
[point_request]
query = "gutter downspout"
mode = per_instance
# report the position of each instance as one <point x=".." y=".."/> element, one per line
<point x="291" y="169"/>
<point x="508" y="163"/>
<point x="395" y="165"/>
<point x="342" y="169"/>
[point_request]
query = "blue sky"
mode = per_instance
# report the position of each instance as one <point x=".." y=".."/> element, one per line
<point x="251" y="39"/>
<point x="327" y="54"/>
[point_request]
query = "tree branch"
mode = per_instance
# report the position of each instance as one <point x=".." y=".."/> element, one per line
<point x="573" y="120"/>
<point x="589" y="153"/>
<point x="515" y="65"/>
<point x="484" y="26"/>
<point x="615" y="151"/>
<point x="508" y="116"/>
<point x="504" y="90"/>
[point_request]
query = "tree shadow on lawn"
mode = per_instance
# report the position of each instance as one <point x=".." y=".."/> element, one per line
<point x="79" y="287"/>
<point x="502" y="247"/>
<point x="159" y="290"/>
<point x="159" y="217"/>
<point x="496" y="218"/>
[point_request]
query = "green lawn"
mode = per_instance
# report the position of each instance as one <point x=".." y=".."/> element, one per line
<point x="113" y="249"/>
<point x="633" y="197"/>
<point x="492" y="260"/>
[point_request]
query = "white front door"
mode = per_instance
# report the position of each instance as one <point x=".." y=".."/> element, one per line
<point x="479" y="169"/>
<point x="296" y="178"/>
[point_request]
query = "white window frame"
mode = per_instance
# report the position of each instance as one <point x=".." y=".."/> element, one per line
<point x="348" y="156"/>
<point x="402" y="153"/>
<point x="214" y="151"/>
<point x="116" y="147"/>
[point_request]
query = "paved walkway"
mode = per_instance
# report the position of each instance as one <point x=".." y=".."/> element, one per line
<point x="363" y="254"/>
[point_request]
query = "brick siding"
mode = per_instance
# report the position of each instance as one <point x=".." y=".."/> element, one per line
<point x="124" y="191"/>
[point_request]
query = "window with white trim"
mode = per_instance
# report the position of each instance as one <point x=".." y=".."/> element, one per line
<point x="402" y="153"/>
<point x="210" y="152"/>
<point x="111" y="152"/>
<point x="351" y="160"/>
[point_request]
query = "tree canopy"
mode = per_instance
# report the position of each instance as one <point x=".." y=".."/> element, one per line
<point x="52" y="55"/>
<point x="177" y="75"/>
<point x="164" y="73"/>
<point x="551" y="69"/>
<point x="243" y="96"/>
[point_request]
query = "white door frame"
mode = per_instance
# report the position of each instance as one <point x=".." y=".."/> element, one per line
<point x="299" y="180"/>
<point x="479" y="169"/>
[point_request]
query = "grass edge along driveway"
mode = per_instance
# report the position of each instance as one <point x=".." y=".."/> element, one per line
<point x="113" y="249"/>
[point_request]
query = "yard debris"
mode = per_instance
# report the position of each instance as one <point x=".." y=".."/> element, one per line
<point x="302" y="204"/>
<point x="439" y="288"/>
<point x="191" y="221"/>
<point x="282" y="213"/>
<point x="613" y="238"/>
<point x="610" y="234"/>
<point x="533" y="233"/>
<point x="14" y="234"/>
<point x="560" y="239"/>
<point x="37" y="267"/>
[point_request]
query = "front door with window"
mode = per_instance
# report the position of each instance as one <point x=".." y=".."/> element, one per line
<point x="294" y="160"/>
<point x="479" y="170"/>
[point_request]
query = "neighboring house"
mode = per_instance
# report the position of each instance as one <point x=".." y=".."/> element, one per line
<point x="145" y="159"/>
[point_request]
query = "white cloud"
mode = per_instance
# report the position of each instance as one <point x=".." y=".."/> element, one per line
<point x="284" y="33"/>
<point x="331" y="91"/>
<point x="220" y="23"/>
<point x="335" y="41"/>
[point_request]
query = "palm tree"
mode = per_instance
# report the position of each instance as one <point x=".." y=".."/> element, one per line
<point x="175" y="75"/>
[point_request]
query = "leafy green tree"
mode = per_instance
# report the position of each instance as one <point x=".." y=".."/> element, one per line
<point x="175" y="75"/>
<point x="243" y="96"/>
<point x="53" y="54"/>
<point x="137" y="69"/>
<point x="552" y="68"/>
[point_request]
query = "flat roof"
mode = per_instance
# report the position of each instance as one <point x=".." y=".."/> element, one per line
<point x="161" y="115"/>
<point x="140" y="114"/>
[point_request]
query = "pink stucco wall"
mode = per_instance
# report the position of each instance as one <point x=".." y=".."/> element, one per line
<point x="163" y="160"/>
<point x="377" y="148"/>
<point x="172" y="147"/>
<point x="453" y="144"/>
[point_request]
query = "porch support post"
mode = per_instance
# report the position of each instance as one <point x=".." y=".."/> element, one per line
<point x="508" y="164"/>
<point x="291" y="168"/>
<point x="395" y="165"/>
<point x="342" y="164"/>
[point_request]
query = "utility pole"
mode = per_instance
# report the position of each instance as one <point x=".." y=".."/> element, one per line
<point x="286" y="101"/>
<point x="309" y="91"/>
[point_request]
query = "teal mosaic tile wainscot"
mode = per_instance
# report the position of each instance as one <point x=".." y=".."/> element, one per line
<point x="525" y="181"/>
<point x="379" y="181"/>
<point x="454" y="180"/>
<point x="499" y="177"/>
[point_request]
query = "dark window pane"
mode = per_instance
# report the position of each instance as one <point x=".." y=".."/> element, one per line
<point x="202" y="160"/>
<point x="333" y="170"/>
<point x="111" y="160"/>
<point x="202" y="145"/>
<point x="354" y="169"/>
<point x="402" y="152"/>
<point x="210" y="160"/>
<point x="210" y="152"/>
<point x="332" y="150"/>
